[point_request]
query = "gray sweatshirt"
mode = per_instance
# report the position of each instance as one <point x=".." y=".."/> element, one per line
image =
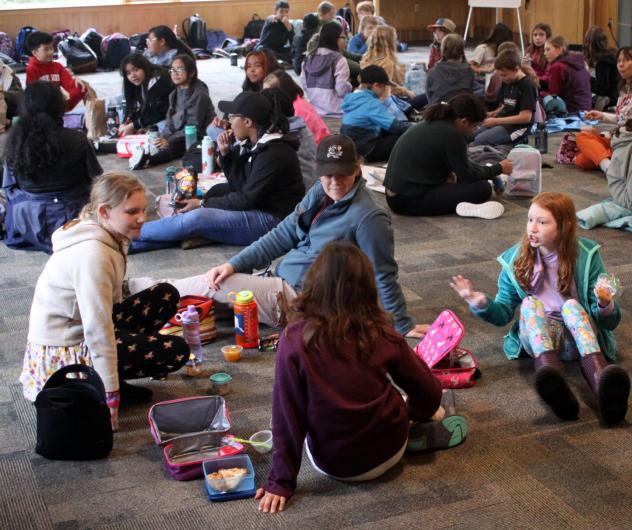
<point x="188" y="106"/>
<point x="620" y="170"/>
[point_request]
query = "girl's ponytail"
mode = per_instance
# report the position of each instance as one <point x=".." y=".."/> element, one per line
<point x="441" y="111"/>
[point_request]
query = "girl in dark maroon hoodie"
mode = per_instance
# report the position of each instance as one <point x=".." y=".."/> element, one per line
<point x="568" y="77"/>
<point x="332" y="388"/>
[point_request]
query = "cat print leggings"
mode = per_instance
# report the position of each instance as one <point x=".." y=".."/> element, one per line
<point x="572" y="336"/>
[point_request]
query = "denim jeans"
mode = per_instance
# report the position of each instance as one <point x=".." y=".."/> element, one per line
<point x="496" y="135"/>
<point x="222" y="226"/>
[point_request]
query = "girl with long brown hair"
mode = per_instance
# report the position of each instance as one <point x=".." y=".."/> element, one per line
<point x="553" y="276"/>
<point x="332" y="387"/>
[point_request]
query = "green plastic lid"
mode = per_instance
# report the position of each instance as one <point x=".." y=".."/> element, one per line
<point x="190" y="129"/>
<point x="220" y="378"/>
<point x="243" y="297"/>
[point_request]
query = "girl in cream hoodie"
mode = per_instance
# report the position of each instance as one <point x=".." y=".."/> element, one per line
<point x="78" y="313"/>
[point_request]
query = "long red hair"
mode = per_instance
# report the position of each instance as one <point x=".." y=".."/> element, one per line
<point x="562" y="209"/>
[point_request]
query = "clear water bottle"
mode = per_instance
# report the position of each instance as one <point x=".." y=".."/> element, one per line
<point x="208" y="156"/>
<point x="542" y="138"/>
<point x="112" y="122"/>
<point x="152" y="136"/>
<point x="170" y="173"/>
<point x="415" y="79"/>
<point x="190" y="320"/>
<point x="190" y="136"/>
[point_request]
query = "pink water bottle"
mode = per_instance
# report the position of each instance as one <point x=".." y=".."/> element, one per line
<point x="190" y="320"/>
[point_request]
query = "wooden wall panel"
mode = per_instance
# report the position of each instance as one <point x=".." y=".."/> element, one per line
<point x="229" y="15"/>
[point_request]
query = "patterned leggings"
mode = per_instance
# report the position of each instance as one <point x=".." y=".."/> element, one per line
<point x="142" y="351"/>
<point x="539" y="333"/>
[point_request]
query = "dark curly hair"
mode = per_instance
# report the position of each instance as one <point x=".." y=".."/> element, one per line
<point x="34" y="145"/>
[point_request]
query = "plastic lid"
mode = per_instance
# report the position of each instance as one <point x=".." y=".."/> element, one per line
<point x="220" y="378"/>
<point x="243" y="297"/>
<point x="190" y="129"/>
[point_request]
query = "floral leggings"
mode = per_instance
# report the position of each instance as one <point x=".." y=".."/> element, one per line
<point x="572" y="336"/>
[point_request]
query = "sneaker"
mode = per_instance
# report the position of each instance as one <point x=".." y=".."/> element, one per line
<point x="487" y="210"/>
<point x="134" y="395"/>
<point x="432" y="435"/>
<point x="138" y="158"/>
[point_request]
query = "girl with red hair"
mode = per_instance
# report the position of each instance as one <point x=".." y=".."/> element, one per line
<point x="552" y="275"/>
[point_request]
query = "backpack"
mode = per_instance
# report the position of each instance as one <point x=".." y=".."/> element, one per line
<point x="196" y="34"/>
<point x="8" y="60"/>
<point x="253" y="29"/>
<point x="79" y="57"/>
<point x="92" y="38"/>
<point x="345" y="17"/>
<point x="526" y="178"/>
<point x="215" y="38"/>
<point x="22" y="53"/>
<point x="138" y="42"/>
<point x="6" y="45"/>
<point x="59" y="36"/>
<point x="114" y="48"/>
<point x="73" y="419"/>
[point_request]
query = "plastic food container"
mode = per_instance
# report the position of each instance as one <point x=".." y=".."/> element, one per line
<point x="232" y="353"/>
<point x="264" y="441"/>
<point x="229" y="489"/>
<point x="220" y="383"/>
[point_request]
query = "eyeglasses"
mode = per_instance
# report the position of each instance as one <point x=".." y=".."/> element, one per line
<point x="177" y="70"/>
<point x="231" y="116"/>
<point x="151" y="39"/>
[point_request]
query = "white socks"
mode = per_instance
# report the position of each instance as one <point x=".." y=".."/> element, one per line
<point x="604" y="165"/>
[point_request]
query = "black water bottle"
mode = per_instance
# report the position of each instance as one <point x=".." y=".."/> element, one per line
<point x="542" y="138"/>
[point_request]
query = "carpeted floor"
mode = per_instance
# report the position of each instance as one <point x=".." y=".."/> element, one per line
<point x="519" y="468"/>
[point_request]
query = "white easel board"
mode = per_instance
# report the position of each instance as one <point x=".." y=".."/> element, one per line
<point x="500" y="4"/>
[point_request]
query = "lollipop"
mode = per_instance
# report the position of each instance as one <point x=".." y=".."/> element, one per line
<point x="607" y="286"/>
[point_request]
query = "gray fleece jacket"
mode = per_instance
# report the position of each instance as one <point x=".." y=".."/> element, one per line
<point x="188" y="106"/>
<point x="620" y="170"/>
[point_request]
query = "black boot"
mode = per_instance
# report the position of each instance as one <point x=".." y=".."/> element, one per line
<point x="610" y="383"/>
<point x="553" y="388"/>
<point x="133" y="395"/>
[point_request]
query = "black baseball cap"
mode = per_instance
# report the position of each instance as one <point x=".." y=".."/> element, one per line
<point x="374" y="74"/>
<point x="249" y="105"/>
<point x="336" y="155"/>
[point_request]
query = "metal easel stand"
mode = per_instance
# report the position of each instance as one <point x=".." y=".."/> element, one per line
<point x="469" y="18"/>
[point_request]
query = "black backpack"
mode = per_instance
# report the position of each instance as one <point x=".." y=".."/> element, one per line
<point x="79" y="57"/>
<point x="73" y="419"/>
<point x="92" y="38"/>
<point x="114" y="48"/>
<point x="196" y="33"/>
<point x="138" y="42"/>
<point x="253" y="29"/>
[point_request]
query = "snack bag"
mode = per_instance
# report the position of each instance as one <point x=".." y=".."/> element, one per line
<point x="184" y="185"/>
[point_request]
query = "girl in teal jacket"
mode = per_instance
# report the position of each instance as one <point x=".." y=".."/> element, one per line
<point x="565" y="310"/>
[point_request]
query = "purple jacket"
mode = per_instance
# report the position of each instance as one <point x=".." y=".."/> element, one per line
<point x="325" y="77"/>
<point x="570" y="80"/>
<point x="346" y="408"/>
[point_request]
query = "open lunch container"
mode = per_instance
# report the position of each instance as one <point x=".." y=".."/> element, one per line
<point x="192" y="430"/>
<point x="244" y="489"/>
<point x="454" y="367"/>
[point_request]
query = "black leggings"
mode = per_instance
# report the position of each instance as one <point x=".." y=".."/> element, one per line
<point x="440" y="200"/>
<point x="382" y="149"/>
<point x="142" y="351"/>
<point x="176" y="149"/>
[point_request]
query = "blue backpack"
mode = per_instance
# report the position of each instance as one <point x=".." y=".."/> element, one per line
<point x="22" y="53"/>
<point x="114" y="48"/>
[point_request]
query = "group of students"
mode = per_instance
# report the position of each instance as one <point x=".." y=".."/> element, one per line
<point x="336" y="287"/>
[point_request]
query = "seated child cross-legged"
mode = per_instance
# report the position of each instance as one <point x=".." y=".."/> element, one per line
<point x="518" y="98"/>
<point x="332" y="388"/>
<point x="367" y="121"/>
<point x="552" y="275"/>
<point x="41" y="66"/>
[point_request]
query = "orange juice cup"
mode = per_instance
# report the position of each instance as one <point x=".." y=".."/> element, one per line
<point x="232" y="353"/>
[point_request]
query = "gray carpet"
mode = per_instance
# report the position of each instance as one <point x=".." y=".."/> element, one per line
<point x="519" y="468"/>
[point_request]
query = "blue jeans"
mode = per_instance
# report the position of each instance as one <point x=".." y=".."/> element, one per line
<point x="221" y="226"/>
<point x="496" y="135"/>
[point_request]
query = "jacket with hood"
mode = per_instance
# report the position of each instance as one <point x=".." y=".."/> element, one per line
<point x="188" y="106"/>
<point x="266" y="177"/>
<point x="365" y="118"/>
<point x="76" y="292"/>
<point x="315" y="221"/>
<point x="147" y="104"/>
<point x="306" y="149"/>
<point x="619" y="172"/>
<point x="589" y="266"/>
<point x="447" y="79"/>
<point x="570" y="80"/>
<point x="325" y="77"/>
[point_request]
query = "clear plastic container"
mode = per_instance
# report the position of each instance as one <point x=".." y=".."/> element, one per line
<point x="221" y="383"/>
<point x="232" y="353"/>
